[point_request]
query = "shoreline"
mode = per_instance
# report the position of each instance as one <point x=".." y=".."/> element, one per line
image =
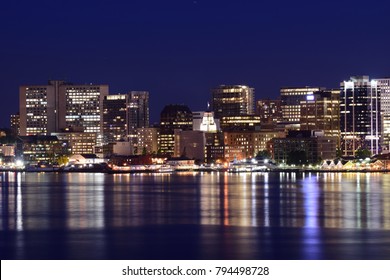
<point x="195" y="171"/>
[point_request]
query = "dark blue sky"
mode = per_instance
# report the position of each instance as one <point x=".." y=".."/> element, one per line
<point x="178" y="50"/>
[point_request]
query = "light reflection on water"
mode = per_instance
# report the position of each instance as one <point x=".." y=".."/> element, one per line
<point x="316" y="200"/>
<point x="311" y="202"/>
<point x="80" y="201"/>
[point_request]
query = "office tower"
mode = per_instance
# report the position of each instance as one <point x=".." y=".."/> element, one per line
<point x="123" y="114"/>
<point x="173" y="117"/>
<point x="15" y="124"/>
<point x="384" y="86"/>
<point x="234" y="100"/>
<point x="115" y="118"/>
<point x="360" y="120"/>
<point x="138" y="109"/>
<point x="49" y="108"/>
<point x="269" y="111"/>
<point x="42" y="108"/>
<point x="84" y="106"/>
<point x="291" y="104"/>
<point x="321" y="111"/>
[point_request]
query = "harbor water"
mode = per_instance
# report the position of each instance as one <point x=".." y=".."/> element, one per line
<point x="220" y="215"/>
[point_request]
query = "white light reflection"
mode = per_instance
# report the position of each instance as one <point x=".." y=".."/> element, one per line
<point x="85" y="201"/>
<point x="311" y="194"/>
<point x="374" y="201"/>
<point x="266" y="200"/>
<point x="253" y="201"/>
<point x="311" y="230"/>
<point x="19" y="209"/>
<point x="358" y="206"/>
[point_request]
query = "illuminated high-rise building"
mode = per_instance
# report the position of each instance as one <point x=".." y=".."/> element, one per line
<point x="173" y="117"/>
<point x="46" y="109"/>
<point x="321" y="111"/>
<point x="384" y="87"/>
<point x="138" y="109"/>
<point x="84" y="106"/>
<point x="115" y="118"/>
<point x="234" y="100"/>
<point x="360" y="115"/>
<point x="42" y="108"/>
<point x="291" y="104"/>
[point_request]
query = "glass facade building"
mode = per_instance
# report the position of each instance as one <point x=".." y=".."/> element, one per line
<point x="360" y="115"/>
<point x="173" y="117"/>
<point x="384" y="87"/>
<point x="234" y="100"/>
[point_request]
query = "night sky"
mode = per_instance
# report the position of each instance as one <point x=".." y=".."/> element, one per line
<point x="179" y="49"/>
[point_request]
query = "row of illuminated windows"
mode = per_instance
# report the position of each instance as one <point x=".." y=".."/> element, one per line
<point x="36" y="99"/>
<point x="82" y="90"/>
<point x="36" y="105"/>
<point x="86" y="117"/>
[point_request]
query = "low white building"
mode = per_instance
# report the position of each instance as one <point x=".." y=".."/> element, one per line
<point x="85" y="159"/>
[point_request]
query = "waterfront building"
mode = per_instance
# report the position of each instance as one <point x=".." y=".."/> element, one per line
<point x="7" y="155"/>
<point x="310" y="146"/>
<point x="384" y="87"/>
<point x="321" y="111"/>
<point x="291" y="104"/>
<point x="360" y="115"/>
<point x="269" y="111"/>
<point x="236" y="100"/>
<point x="41" y="148"/>
<point x="172" y="117"/>
<point x="85" y="159"/>
<point x="78" y="142"/>
<point x="246" y="144"/>
<point x="7" y="150"/>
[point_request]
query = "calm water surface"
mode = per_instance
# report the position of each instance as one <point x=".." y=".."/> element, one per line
<point x="195" y="216"/>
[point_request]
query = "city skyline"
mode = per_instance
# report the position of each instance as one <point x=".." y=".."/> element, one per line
<point x="180" y="50"/>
